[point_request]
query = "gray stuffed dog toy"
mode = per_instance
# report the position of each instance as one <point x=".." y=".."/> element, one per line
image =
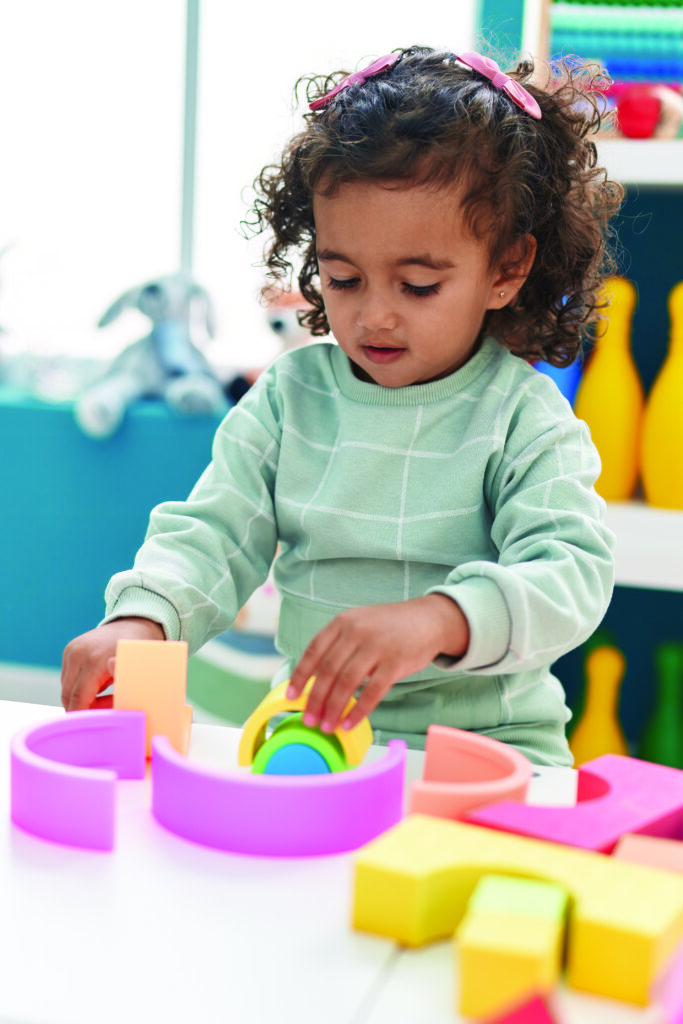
<point x="164" y="364"/>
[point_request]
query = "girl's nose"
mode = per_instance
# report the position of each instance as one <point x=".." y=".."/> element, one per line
<point x="376" y="311"/>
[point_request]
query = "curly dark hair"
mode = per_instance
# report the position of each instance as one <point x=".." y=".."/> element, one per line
<point x="430" y="120"/>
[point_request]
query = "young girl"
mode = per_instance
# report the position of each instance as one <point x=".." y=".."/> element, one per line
<point x="429" y="494"/>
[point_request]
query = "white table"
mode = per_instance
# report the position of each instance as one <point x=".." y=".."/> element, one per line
<point x="163" y="930"/>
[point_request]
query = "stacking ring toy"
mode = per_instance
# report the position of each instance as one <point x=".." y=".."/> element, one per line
<point x="277" y="815"/>
<point x="294" y="748"/>
<point x="63" y="775"/>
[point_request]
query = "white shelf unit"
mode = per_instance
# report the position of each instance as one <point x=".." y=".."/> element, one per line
<point x="655" y="162"/>
<point x="649" y="550"/>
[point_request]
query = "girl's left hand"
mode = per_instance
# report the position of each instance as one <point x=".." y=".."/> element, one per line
<point x="374" y="647"/>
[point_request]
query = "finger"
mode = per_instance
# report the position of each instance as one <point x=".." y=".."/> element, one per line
<point x="80" y="696"/>
<point x="310" y="660"/>
<point x="66" y="679"/>
<point x="348" y="680"/>
<point x="327" y="673"/>
<point x="89" y="682"/>
<point x="374" y="690"/>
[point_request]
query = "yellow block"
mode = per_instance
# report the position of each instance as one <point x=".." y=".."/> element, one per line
<point x="413" y="884"/>
<point x="509" y="944"/>
<point x="151" y="676"/>
<point x="355" y="742"/>
<point x="504" y="960"/>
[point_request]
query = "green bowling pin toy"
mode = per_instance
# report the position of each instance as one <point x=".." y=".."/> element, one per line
<point x="662" y="738"/>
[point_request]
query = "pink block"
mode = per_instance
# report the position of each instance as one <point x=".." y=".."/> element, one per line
<point x="534" y="1012"/>
<point x="615" y="795"/>
<point x="463" y="770"/>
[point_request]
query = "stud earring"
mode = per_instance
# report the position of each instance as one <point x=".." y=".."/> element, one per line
<point x="501" y="295"/>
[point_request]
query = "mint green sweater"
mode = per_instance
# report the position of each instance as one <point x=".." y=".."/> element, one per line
<point x="479" y="486"/>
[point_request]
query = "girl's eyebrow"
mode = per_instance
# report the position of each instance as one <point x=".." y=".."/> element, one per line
<point x="423" y="260"/>
<point x="328" y="256"/>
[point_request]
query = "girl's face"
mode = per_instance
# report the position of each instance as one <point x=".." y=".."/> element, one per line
<point x="405" y="285"/>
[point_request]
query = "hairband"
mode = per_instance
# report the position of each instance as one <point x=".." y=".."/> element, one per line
<point x="357" y="78"/>
<point x="484" y="65"/>
<point x="516" y="92"/>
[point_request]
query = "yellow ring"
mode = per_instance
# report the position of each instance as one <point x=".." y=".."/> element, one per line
<point x="355" y="742"/>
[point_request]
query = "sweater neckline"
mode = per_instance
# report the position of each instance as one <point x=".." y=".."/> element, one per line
<point x="413" y="394"/>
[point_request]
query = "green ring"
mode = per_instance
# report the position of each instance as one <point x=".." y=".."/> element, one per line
<point x="292" y="730"/>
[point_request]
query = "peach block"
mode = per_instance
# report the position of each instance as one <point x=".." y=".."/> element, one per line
<point x="151" y="676"/>
<point x="652" y="850"/>
<point x="463" y="770"/>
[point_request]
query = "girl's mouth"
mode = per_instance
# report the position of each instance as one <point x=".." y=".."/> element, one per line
<point x="382" y="354"/>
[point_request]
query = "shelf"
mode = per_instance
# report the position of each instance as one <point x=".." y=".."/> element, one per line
<point x="643" y="161"/>
<point x="649" y="545"/>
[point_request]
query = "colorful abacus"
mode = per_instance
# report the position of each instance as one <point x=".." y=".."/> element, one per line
<point x="636" y="42"/>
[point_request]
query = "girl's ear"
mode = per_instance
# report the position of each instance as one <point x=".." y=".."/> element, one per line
<point x="513" y="271"/>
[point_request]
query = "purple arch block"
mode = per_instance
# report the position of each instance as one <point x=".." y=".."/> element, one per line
<point x="277" y="815"/>
<point x="63" y="775"/>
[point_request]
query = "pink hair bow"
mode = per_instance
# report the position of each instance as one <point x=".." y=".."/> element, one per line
<point x="357" y="78"/>
<point x="517" y="93"/>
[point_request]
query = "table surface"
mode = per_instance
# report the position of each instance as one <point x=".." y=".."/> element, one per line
<point x="162" y="929"/>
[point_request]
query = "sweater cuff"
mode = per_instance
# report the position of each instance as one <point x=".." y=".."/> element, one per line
<point x="136" y="602"/>
<point x="484" y="607"/>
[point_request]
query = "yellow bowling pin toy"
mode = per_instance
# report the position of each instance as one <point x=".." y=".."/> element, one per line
<point x="662" y="441"/>
<point x="598" y="730"/>
<point x="610" y="396"/>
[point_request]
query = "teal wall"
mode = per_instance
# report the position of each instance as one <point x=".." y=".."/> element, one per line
<point x="74" y="510"/>
<point x="500" y="26"/>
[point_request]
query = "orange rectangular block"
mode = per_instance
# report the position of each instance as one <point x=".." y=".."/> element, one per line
<point x="151" y="676"/>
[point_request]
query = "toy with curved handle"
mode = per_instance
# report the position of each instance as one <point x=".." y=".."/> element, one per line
<point x="347" y="746"/>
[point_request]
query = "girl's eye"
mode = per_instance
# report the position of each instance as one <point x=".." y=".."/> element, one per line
<point x="420" y="291"/>
<point x="342" y="284"/>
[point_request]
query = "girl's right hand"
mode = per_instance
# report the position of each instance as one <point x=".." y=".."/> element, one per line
<point x="88" y="661"/>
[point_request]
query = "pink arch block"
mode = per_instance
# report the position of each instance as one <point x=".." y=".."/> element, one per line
<point x="615" y="795"/>
<point x="277" y="815"/>
<point x="63" y="775"/>
<point x="463" y="770"/>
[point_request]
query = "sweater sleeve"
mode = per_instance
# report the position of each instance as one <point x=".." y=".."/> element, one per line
<point x="554" y="576"/>
<point x="202" y="558"/>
